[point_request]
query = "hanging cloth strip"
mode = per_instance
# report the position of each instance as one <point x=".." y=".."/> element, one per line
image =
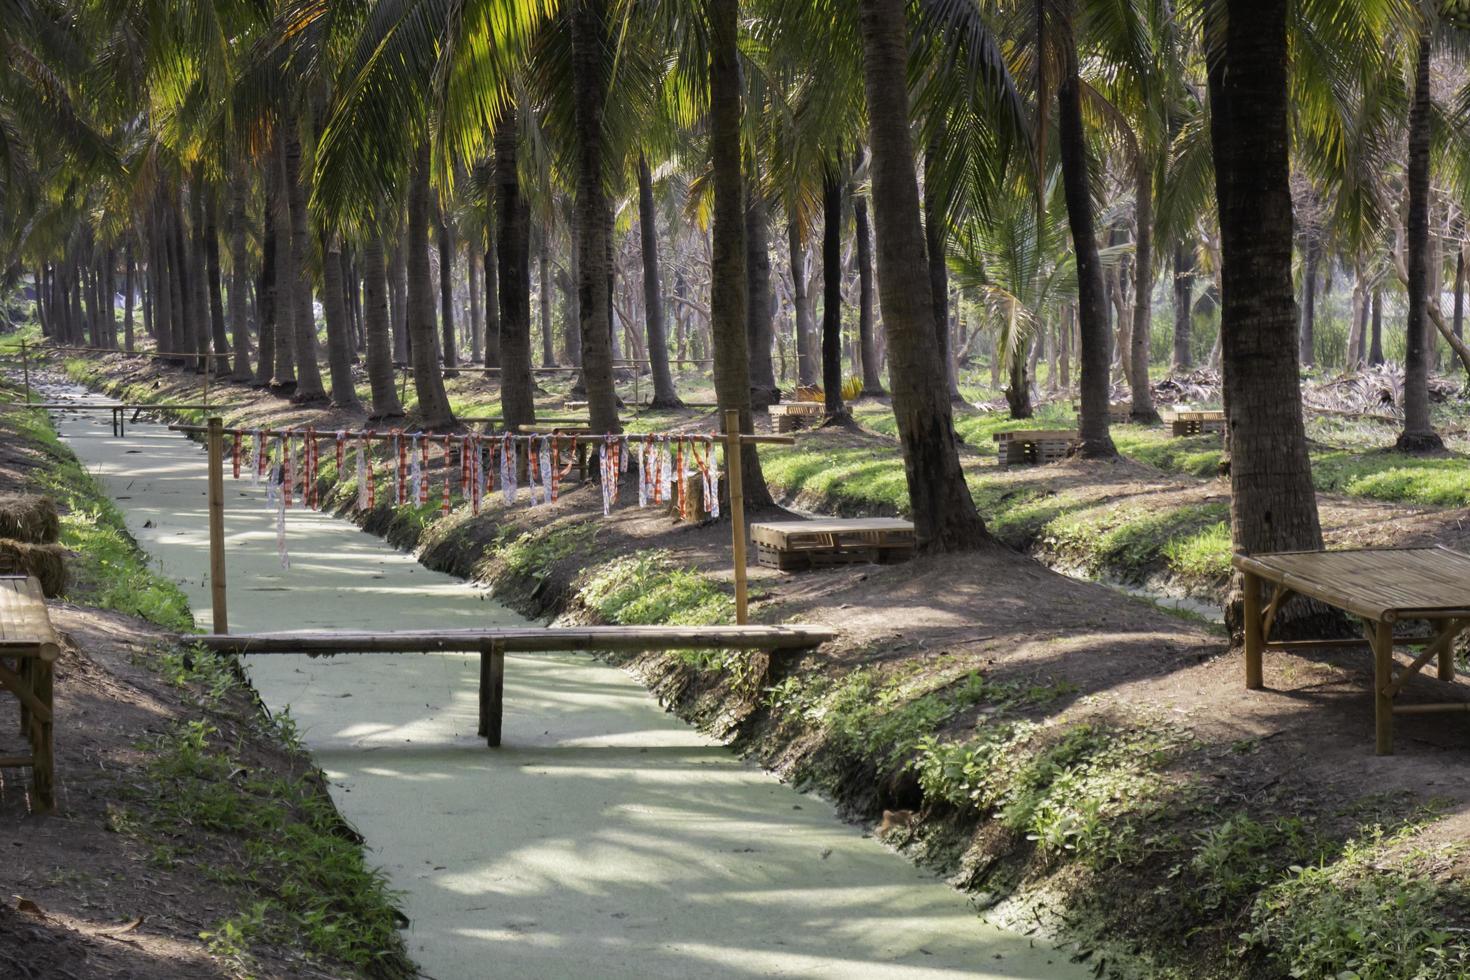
<point x="257" y="470"/>
<point x="466" y="470"/>
<point x="308" y="480"/>
<point x="533" y="471"/>
<point x="681" y="496"/>
<point x="341" y="451"/>
<point x="281" y="531"/>
<point x="444" y="504"/>
<point x="364" y="493"/>
<point x="480" y="470"/>
<point x="508" y="468"/>
<point x="415" y="473"/>
<point x="559" y="472"/>
<point x="608" y="458"/>
<point x="665" y="472"/>
<point x="401" y="471"/>
<point x="421" y="485"/>
<point x="288" y="467"/>
<point x="272" y="479"/>
<point x="709" y="482"/>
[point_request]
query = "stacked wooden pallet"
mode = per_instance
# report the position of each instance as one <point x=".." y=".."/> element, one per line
<point x="1195" y="423"/>
<point x="1034" y="447"/>
<point x="790" y="545"/>
<point x="790" y="416"/>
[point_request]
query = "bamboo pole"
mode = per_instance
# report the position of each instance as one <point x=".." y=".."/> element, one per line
<point x="734" y="474"/>
<point x="217" y="525"/>
<point x="25" y="369"/>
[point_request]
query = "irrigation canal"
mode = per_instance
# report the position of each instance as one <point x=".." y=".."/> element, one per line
<point x="605" y="838"/>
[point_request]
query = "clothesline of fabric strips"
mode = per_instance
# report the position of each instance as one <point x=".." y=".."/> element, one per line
<point x="287" y="458"/>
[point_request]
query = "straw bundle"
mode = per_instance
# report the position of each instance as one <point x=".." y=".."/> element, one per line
<point x="45" y="561"/>
<point x="29" y="518"/>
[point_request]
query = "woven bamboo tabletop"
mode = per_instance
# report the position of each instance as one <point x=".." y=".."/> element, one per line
<point x="1380" y="584"/>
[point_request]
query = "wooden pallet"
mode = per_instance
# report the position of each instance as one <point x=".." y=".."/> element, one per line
<point x="1119" y="413"/>
<point x="1184" y="424"/>
<point x="1034" y="447"/>
<point x="791" y="545"/>
<point x="790" y="416"/>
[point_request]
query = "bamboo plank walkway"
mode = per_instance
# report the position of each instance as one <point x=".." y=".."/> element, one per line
<point x="1379" y="586"/>
<point x="493" y="644"/>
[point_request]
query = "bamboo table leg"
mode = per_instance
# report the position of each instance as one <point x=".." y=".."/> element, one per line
<point x="1382" y="679"/>
<point x="1447" y="662"/>
<point x="492" y="692"/>
<point x="42" y="769"/>
<point x="1255" y="641"/>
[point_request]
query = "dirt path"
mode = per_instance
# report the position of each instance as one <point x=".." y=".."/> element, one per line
<point x="605" y="839"/>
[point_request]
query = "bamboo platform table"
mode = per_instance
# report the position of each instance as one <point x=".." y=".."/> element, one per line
<point x="1381" y="587"/>
<point x="28" y="649"/>
<point x="791" y="545"/>
<point x="1184" y="424"/>
<point x="1119" y="413"/>
<point x="1034" y="447"/>
<point x="493" y="644"/>
<point x="790" y="416"/>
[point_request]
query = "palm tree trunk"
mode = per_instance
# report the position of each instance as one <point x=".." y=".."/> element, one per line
<point x="1183" y="308"/>
<point x="265" y="298"/>
<point x="449" y="348"/>
<point x="309" y="387"/>
<point x="758" y="329"/>
<point x="543" y="258"/>
<point x="867" y="332"/>
<point x="727" y="266"/>
<point x="178" y="278"/>
<point x="492" y="294"/>
<point x="1375" y="350"/>
<point x="339" y="326"/>
<point x="477" y="321"/>
<point x="832" y="292"/>
<point x="936" y="234"/>
<point x="130" y="280"/>
<point x="1094" y="385"/>
<point x="1143" y="291"/>
<point x="376" y="322"/>
<point x="1310" y="263"/>
<point x="807" y="369"/>
<point x="221" y="340"/>
<point x="664" y="395"/>
<point x="572" y="312"/>
<point x="589" y="46"/>
<point x="1273" y="504"/>
<point x="1459" y="322"/>
<point x="513" y="252"/>
<point x="239" y="277"/>
<point x="398" y="301"/>
<point x="428" y="381"/>
<point x="1418" y="435"/>
<point x="944" y="514"/>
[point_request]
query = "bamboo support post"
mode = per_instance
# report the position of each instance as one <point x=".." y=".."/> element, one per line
<point x="217" y="525"/>
<point x="492" y="692"/>
<point x="25" y="369"/>
<point x="735" y="476"/>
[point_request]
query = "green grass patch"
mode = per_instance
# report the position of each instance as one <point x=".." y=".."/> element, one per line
<point x="108" y="570"/>
<point x="309" y="884"/>
<point x="1389" y="476"/>
<point x="1373" y="914"/>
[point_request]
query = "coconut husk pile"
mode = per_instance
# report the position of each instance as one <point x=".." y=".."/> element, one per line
<point x="29" y="518"/>
<point x="45" y="561"/>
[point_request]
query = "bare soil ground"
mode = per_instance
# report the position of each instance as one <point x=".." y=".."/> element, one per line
<point x="1302" y="747"/>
